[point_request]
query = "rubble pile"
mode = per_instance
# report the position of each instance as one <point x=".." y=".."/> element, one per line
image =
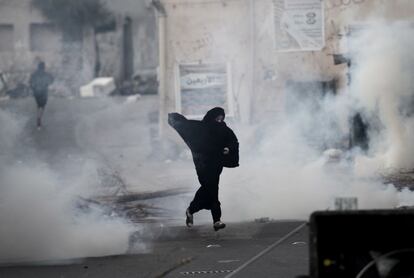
<point x="400" y="179"/>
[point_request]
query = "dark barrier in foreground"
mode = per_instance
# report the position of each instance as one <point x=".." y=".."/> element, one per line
<point x="362" y="244"/>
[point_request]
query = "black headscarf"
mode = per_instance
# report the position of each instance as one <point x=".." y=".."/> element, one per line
<point x="212" y="114"/>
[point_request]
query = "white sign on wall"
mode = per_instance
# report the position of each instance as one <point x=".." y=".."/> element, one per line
<point x="299" y="25"/>
<point x="201" y="87"/>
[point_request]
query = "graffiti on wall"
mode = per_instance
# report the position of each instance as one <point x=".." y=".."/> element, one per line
<point x="198" y="44"/>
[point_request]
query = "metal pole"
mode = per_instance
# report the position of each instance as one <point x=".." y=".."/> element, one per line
<point x="252" y="59"/>
<point x="162" y="56"/>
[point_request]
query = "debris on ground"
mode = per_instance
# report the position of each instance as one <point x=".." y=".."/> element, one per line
<point x="127" y="204"/>
<point x="399" y="178"/>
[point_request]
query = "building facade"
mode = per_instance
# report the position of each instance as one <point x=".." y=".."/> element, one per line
<point x="26" y="38"/>
<point x="126" y="49"/>
<point x="264" y="49"/>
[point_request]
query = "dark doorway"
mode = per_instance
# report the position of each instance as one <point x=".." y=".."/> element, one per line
<point x="128" y="50"/>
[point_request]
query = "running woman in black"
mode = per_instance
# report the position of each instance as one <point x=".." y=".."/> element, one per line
<point x="213" y="146"/>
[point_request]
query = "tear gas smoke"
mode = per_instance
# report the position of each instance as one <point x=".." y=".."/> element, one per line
<point x="383" y="88"/>
<point x="284" y="174"/>
<point x="41" y="211"/>
<point x="288" y="176"/>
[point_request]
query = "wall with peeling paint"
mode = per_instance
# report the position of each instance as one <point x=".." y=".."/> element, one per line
<point x="205" y="32"/>
<point x="143" y="20"/>
<point x="242" y="32"/>
<point x="29" y="47"/>
<point x="18" y="59"/>
<point x="315" y="65"/>
<point x="19" y="15"/>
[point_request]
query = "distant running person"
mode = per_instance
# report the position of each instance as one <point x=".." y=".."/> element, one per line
<point x="40" y="81"/>
<point x="213" y="146"/>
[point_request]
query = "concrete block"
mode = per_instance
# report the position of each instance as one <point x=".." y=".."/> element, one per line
<point x="98" y="87"/>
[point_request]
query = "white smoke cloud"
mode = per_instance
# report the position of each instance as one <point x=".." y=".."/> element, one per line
<point x="282" y="176"/>
<point x="286" y="177"/>
<point x="10" y="130"/>
<point x="41" y="213"/>
<point x="382" y="85"/>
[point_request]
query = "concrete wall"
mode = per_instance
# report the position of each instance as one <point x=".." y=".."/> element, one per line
<point x="21" y="58"/>
<point x="47" y="44"/>
<point x="242" y="33"/>
<point x="144" y="32"/>
<point x="214" y="31"/>
<point x="313" y="65"/>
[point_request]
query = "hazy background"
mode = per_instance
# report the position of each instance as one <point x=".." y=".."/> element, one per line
<point x="46" y="175"/>
<point x="285" y="177"/>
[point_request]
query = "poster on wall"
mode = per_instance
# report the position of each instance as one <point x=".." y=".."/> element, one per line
<point x="201" y="87"/>
<point x="299" y="25"/>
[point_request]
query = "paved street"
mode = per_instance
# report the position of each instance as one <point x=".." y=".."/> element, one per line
<point x="115" y="134"/>
<point x="197" y="252"/>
